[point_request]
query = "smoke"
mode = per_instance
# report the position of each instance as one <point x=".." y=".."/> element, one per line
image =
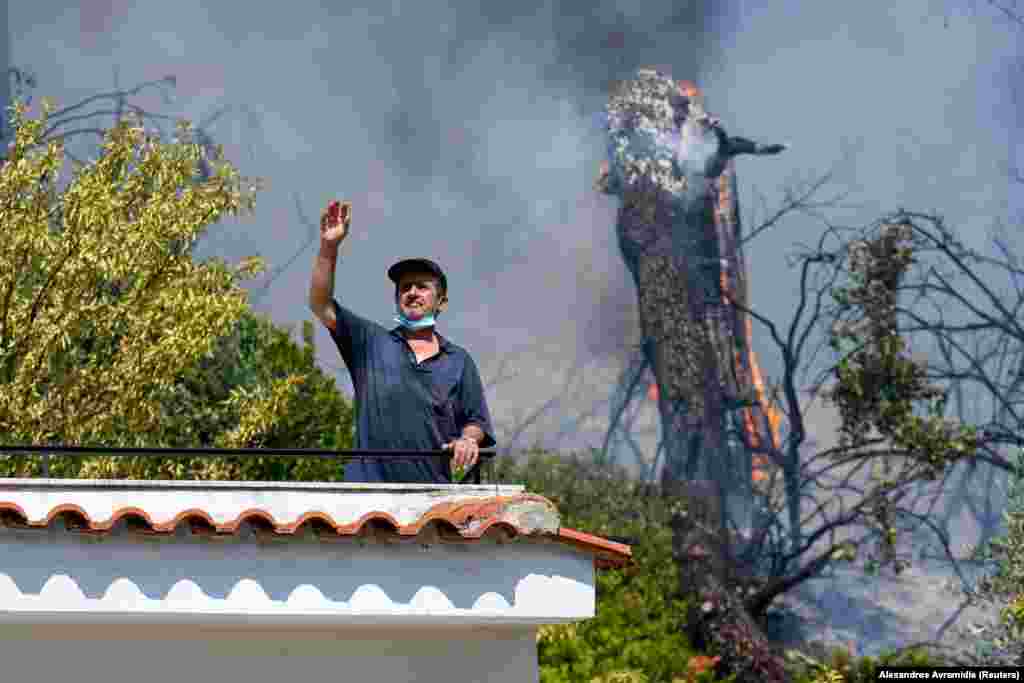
<point x="488" y="133"/>
<point x="462" y="131"/>
<point x="465" y="131"/>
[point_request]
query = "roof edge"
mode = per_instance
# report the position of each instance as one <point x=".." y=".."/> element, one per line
<point x="607" y="554"/>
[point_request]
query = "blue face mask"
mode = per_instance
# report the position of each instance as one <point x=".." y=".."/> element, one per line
<point x="425" y="321"/>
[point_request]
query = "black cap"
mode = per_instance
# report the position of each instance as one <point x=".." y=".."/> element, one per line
<point x="418" y="264"/>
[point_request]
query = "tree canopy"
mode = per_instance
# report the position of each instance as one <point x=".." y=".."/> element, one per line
<point x="101" y="303"/>
<point x="113" y="334"/>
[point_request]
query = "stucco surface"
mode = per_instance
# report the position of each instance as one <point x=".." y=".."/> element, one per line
<point x="171" y="654"/>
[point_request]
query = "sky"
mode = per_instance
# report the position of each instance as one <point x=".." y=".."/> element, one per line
<point x="465" y="132"/>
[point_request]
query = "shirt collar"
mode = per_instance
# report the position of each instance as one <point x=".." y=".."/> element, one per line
<point x="443" y="343"/>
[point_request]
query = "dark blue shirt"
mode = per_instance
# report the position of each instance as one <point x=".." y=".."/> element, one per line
<point x="405" y="405"/>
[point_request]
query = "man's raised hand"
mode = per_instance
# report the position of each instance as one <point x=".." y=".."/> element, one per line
<point x="334" y="222"/>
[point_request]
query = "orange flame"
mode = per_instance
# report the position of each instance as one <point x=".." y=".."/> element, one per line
<point x="771" y="411"/>
<point x="698" y="665"/>
<point x="725" y="219"/>
<point x="688" y="89"/>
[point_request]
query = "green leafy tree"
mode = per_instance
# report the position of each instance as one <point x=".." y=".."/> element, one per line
<point x="111" y="333"/>
<point x="259" y="389"/>
<point x="101" y="304"/>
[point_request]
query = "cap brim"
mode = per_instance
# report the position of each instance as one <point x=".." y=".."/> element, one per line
<point x="413" y="264"/>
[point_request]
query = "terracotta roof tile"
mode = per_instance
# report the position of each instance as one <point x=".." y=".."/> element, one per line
<point x="496" y="517"/>
<point x="607" y="554"/>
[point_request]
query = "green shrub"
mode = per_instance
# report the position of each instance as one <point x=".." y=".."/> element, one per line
<point x="637" y="633"/>
<point x="258" y="388"/>
<point x="839" y="666"/>
<point x="1002" y="642"/>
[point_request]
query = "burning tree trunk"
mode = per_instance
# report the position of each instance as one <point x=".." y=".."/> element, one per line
<point x="679" y="233"/>
<point x="717" y="620"/>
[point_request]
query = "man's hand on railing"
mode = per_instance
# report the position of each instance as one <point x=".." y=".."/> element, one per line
<point x="465" y="452"/>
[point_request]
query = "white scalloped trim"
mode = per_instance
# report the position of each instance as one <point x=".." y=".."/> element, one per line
<point x="533" y="598"/>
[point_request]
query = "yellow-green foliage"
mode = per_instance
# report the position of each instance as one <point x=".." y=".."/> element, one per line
<point x="111" y="334"/>
<point x="841" y="667"/>
<point x="828" y="675"/>
<point x="293" y="401"/>
<point x="258" y="390"/>
<point x="223" y="400"/>
<point x="621" y="677"/>
<point x="101" y="303"/>
<point x="637" y="633"/>
<point x="1013" y="614"/>
<point x="213" y="401"/>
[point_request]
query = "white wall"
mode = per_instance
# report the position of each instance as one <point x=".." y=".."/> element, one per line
<point x="50" y="574"/>
<point x="254" y="606"/>
<point x="248" y="575"/>
<point x="195" y="654"/>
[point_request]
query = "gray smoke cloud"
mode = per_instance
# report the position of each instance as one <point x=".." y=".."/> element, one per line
<point x="461" y="131"/>
<point x="465" y="131"/>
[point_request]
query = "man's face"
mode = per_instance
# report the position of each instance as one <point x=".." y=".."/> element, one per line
<point x="418" y="295"/>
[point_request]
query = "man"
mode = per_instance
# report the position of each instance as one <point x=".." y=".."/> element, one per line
<point x="414" y="389"/>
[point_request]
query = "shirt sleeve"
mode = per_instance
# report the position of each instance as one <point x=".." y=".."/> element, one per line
<point x="350" y="334"/>
<point x="473" y="403"/>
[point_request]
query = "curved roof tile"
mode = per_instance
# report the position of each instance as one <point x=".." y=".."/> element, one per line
<point x="522" y="515"/>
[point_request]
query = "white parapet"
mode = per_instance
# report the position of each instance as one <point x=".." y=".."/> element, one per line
<point x="250" y="554"/>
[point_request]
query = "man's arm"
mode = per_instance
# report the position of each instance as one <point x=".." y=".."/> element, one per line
<point x="321" y="286"/>
<point x="472" y="415"/>
<point x="334" y="223"/>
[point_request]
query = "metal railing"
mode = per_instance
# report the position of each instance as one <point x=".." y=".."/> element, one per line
<point x="471" y="476"/>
